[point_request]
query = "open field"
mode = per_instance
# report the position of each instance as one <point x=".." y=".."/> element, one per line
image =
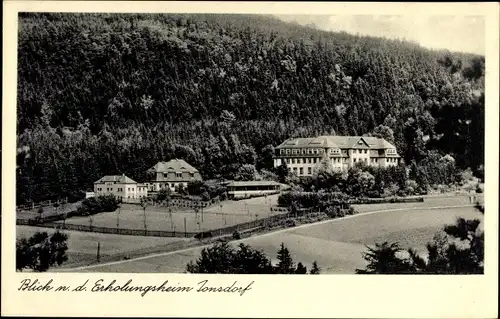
<point x="335" y="244"/>
<point x="47" y="211"/>
<point x="159" y="218"/>
<point x="429" y="201"/>
<point x="82" y="246"/>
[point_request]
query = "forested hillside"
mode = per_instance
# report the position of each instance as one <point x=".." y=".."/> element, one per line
<point x="115" y="93"/>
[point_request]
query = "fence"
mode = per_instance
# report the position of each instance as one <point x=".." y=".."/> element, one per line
<point x="181" y="203"/>
<point x="115" y="231"/>
<point x="156" y="233"/>
<point x="46" y="203"/>
<point x="386" y="200"/>
<point x="278" y="209"/>
<point x="50" y="213"/>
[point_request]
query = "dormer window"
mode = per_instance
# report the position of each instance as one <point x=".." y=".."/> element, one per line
<point x="287" y="151"/>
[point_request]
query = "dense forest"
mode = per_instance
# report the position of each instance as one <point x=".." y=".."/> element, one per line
<point x="115" y="93"/>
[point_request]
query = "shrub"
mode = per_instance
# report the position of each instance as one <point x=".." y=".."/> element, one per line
<point x="94" y="205"/>
<point x="236" y="235"/>
<point x="205" y="196"/>
<point x="290" y="223"/>
<point x="318" y="200"/>
<point x="351" y="211"/>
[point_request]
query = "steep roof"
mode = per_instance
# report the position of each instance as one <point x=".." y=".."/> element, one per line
<point x="337" y="141"/>
<point x="321" y="141"/>
<point x="175" y="165"/>
<point x="119" y="179"/>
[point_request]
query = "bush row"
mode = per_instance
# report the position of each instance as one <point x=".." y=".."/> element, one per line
<point x="99" y="204"/>
<point x="315" y="200"/>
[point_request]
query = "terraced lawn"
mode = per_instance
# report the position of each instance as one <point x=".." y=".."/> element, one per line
<point x="336" y="244"/>
<point x="159" y="218"/>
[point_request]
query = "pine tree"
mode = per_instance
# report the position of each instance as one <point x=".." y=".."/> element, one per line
<point x="315" y="270"/>
<point x="285" y="263"/>
<point x="41" y="251"/>
<point x="301" y="269"/>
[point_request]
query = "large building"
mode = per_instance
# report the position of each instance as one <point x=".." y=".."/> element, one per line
<point x="171" y="174"/>
<point x="302" y="155"/>
<point x="122" y="187"/>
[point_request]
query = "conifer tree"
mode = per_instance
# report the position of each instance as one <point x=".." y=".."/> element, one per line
<point x="285" y="263"/>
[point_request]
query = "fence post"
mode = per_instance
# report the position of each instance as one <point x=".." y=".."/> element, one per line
<point x="98" y="251"/>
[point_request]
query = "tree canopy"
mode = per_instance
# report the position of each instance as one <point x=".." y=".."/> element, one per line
<point x="102" y="94"/>
<point x="41" y="251"/>
<point x="458" y="249"/>
<point x="222" y="258"/>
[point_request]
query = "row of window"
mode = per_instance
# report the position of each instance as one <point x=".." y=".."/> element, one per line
<point x="302" y="160"/>
<point x="178" y="175"/>
<point x="360" y="151"/>
<point x="130" y="189"/>
<point x="334" y="160"/>
<point x="320" y="151"/>
<point x="295" y="151"/>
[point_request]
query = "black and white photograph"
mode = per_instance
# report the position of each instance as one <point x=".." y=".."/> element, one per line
<point x="250" y="144"/>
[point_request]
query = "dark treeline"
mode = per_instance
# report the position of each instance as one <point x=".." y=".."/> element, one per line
<point x="115" y="93"/>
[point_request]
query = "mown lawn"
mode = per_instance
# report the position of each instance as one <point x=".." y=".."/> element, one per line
<point x="82" y="246"/>
<point x="159" y="218"/>
<point x="336" y="245"/>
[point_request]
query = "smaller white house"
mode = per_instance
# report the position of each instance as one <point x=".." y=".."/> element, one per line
<point x="122" y="187"/>
<point x="89" y="194"/>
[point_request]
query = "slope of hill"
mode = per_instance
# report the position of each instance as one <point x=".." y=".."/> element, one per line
<point x="110" y="93"/>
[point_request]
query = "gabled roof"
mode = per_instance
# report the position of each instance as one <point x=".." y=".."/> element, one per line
<point x="321" y="141"/>
<point x="337" y="141"/>
<point x="118" y="179"/>
<point x="175" y="165"/>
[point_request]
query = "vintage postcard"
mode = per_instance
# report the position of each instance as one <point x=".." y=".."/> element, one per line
<point x="205" y="159"/>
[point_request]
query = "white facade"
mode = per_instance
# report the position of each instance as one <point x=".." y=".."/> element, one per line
<point x="304" y="155"/>
<point x="122" y="187"/>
